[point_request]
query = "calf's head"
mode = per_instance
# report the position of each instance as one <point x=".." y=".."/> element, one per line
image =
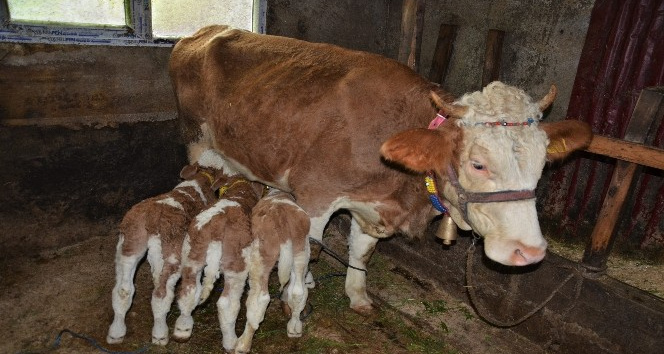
<point x="492" y="141"/>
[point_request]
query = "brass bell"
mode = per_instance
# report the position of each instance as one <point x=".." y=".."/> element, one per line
<point x="447" y="230"/>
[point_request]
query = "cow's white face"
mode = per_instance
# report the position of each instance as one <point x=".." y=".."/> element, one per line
<point x="497" y="158"/>
<point x="502" y="159"/>
<point x="493" y="157"/>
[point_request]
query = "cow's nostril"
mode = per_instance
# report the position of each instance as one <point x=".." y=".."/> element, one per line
<point x="527" y="255"/>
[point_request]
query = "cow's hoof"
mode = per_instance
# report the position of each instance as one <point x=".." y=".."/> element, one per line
<point x="294" y="328"/>
<point x="364" y="310"/>
<point x="114" y="340"/>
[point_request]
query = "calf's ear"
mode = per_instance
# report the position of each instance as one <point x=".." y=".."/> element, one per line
<point x="188" y="171"/>
<point x="566" y="137"/>
<point x="422" y="150"/>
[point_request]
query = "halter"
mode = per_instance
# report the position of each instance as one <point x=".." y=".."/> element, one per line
<point x="465" y="197"/>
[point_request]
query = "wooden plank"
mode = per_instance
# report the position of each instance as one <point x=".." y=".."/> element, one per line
<point x="492" y="56"/>
<point x="443" y="53"/>
<point x="627" y="151"/>
<point x="602" y="236"/>
<point x="412" y="23"/>
<point x="646" y="113"/>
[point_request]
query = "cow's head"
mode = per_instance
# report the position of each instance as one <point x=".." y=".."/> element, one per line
<point x="494" y="142"/>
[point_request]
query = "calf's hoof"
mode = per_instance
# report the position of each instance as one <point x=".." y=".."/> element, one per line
<point x="160" y="340"/>
<point x="183" y="328"/>
<point x="114" y="340"/>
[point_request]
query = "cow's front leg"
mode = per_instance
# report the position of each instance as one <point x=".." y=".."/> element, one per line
<point x="298" y="291"/>
<point x="360" y="249"/>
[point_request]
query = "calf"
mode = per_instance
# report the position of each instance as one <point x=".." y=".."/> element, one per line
<point x="157" y="226"/>
<point x="280" y="228"/>
<point x="219" y="240"/>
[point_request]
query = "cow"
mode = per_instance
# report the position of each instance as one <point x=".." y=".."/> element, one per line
<point x="343" y="129"/>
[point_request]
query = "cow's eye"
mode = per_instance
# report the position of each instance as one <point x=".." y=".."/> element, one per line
<point x="478" y="166"/>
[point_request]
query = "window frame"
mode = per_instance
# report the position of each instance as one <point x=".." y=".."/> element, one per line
<point x="137" y="32"/>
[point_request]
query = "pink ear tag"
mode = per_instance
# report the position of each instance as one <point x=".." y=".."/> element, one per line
<point x="437" y="121"/>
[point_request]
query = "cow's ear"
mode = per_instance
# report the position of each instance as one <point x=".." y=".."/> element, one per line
<point x="422" y="150"/>
<point x="566" y="137"/>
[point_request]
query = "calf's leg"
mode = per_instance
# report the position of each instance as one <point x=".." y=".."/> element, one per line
<point x="123" y="292"/>
<point x="260" y="266"/>
<point x="228" y="306"/>
<point x="162" y="298"/>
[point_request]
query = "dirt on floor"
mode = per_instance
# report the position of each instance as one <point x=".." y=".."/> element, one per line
<point x="70" y="289"/>
<point x="638" y="269"/>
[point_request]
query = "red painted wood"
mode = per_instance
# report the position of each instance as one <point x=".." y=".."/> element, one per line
<point x="622" y="55"/>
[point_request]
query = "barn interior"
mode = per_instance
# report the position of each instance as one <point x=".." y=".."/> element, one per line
<point x="88" y="130"/>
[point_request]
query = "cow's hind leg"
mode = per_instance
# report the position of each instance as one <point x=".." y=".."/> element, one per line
<point x="123" y="292"/>
<point x="360" y="249"/>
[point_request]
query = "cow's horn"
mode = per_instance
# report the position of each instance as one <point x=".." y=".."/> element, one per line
<point x="546" y="101"/>
<point x="449" y="109"/>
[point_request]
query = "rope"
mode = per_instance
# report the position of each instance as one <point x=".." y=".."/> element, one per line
<point x="334" y="255"/>
<point x="484" y="313"/>
<point x="92" y="342"/>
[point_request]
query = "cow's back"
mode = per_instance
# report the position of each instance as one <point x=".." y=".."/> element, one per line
<point x="303" y="117"/>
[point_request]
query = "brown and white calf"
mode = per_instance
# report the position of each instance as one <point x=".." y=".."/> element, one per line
<point x="219" y="241"/>
<point x="157" y="226"/>
<point x="320" y="122"/>
<point x="280" y="229"/>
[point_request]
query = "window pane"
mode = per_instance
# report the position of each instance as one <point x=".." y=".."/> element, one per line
<point x="100" y="12"/>
<point x="178" y="18"/>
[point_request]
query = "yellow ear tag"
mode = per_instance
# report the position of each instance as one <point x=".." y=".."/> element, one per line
<point x="557" y="147"/>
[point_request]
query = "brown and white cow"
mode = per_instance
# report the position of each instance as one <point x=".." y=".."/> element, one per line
<point x="314" y="119"/>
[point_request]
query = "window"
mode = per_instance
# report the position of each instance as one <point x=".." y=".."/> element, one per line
<point x="122" y="22"/>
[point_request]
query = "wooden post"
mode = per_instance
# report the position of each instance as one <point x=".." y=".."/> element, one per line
<point x="494" y="50"/>
<point x="443" y="54"/>
<point x="412" y="23"/>
<point x="647" y="112"/>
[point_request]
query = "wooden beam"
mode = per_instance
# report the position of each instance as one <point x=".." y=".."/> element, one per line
<point x="627" y="151"/>
<point x="412" y="23"/>
<point x="443" y="54"/>
<point x="492" y="56"/>
<point x="646" y="113"/>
